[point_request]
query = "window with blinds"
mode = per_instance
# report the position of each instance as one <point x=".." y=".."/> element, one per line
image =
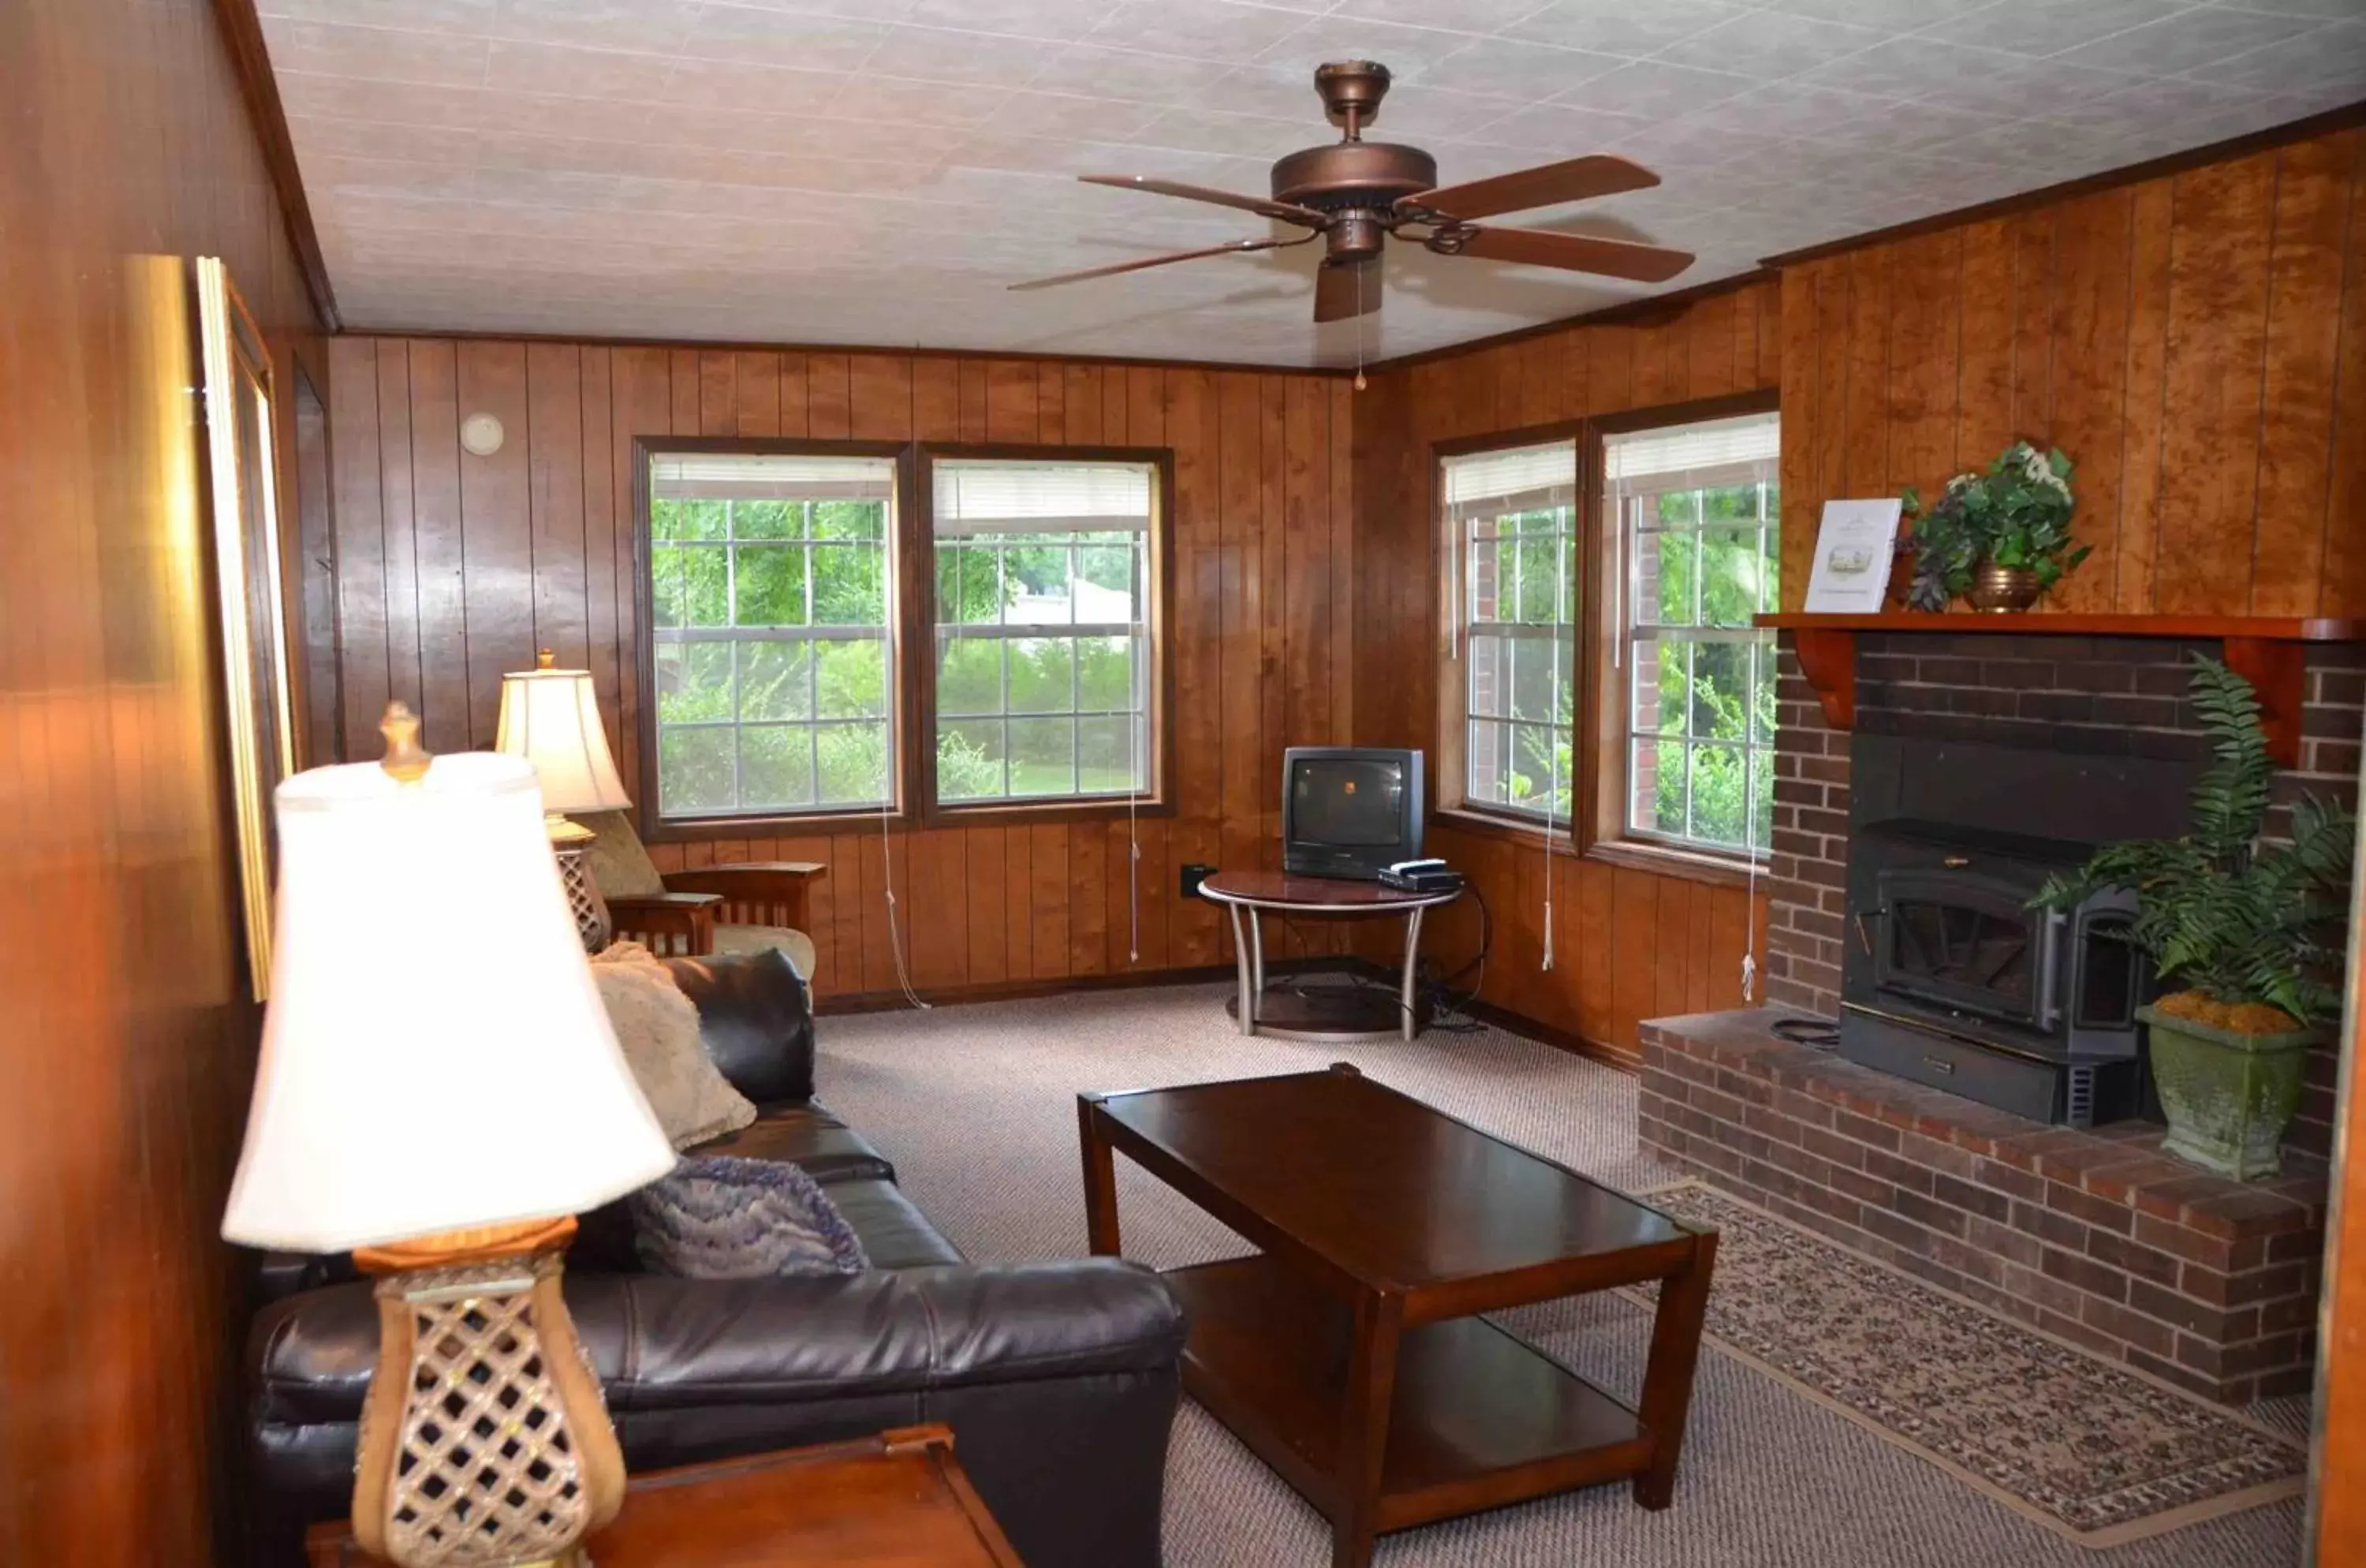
<point x="771" y="583"/>
<point x="1697" y="515"/>
<point x="1042" y="627"/>
<point x="1511" y="517"/>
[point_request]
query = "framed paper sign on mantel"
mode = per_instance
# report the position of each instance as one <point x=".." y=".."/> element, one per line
<point x="1853" y="547"/>
<point x="257" y="707"/>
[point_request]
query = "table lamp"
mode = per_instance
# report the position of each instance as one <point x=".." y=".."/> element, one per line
<point x="439" y="1092"/>
<point x="552" y="718"/>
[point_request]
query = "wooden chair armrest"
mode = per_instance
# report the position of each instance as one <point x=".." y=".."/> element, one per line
<point x="672" y="924"/>
<point x="754" y="893"/>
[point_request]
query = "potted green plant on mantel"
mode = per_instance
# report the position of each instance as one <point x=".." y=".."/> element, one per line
<point x="2250" y="929"/>
<point x="1997" y="540"/>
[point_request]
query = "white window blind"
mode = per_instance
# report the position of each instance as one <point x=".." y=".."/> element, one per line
<point x="991" y="497"/>
<point x="721" y="476"/>
<point x="1520" y="478"/>
<point x="1708" y="455"/>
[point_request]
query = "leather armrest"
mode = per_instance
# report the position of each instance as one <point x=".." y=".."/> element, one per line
<point x="755" y="1018"/>
<point x="660" y="1343"/>
<point x="284" y="1274"/>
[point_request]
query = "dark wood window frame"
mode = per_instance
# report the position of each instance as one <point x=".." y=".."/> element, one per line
<point x="1596" y="826"/>
<point x="655" y="829"/>
<point x="1159" y="799"/>
<point x="911" y="641"/>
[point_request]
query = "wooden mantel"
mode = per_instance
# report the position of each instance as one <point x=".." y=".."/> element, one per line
<point x="2265" y="650"/>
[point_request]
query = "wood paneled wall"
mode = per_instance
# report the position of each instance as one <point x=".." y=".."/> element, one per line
<point x="2196" y="342"/>
<point x="454" y="569"/>
<point x="1626" y="943"/>
<point x="128" y="1048"/>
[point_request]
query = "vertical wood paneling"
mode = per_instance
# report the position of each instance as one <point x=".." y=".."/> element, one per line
<point x="130" y="1040"/>
<point x="2090" y="331"/>
<point x="2313" y="197"/>
<point x="2217" y="329"/>
<point x="2188" y="340"/>
<point x="555" y="454"/>
<point x="366" y="673"/>
<point x="497" y="539"/>
<point x="398" y="517"/>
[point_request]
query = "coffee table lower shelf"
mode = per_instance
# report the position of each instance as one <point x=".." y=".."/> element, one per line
<point x="1478" y="1419"/>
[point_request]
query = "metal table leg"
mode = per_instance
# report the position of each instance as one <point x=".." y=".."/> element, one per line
<point x="1249" y="987"/>
<point x="1410" y="1021"/>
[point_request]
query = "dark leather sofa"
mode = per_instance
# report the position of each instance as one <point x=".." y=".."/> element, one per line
<point x="1059" y="1379"/>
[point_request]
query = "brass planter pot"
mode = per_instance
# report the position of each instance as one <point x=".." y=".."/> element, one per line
<point x="1999" y="589"/>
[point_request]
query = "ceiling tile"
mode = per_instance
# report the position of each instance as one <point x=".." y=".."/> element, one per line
<point x="1196" y="30"/>
<point x="384" y="54"/>
<point x="1558" y="128"/>
<point x="654" y="26"/>
<point x="787" y="169"/>
<point x="1769" y="44"/>
<point x="1503" y="68"/>
<point x="1469" y="15"/>
<point x="1407" y="51"/>
<point x="2048" y="26"/>
<point x="1621" y="27"/>
<point x="577" y="73"/>
<point x="1023" y="18"/>
<point x="2334" y="57"/>
<point x="782" y="37"/>
<point x="1099" y="70"/>
<point x="768" y="89"/>
<point x="1890" y="15"/>
<point x="1652" y="91"/>
<point x="936" y="54"/>
<point x="2187" y="41"/>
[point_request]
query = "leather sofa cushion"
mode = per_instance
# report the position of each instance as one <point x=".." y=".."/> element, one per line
<point x="805" y="1136"/>
<point x="894" y="1231"/>
<point x="660" y="1343"/>
<point x="755" y="1018"/>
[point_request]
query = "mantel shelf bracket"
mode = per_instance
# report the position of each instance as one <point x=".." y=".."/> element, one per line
<point x="2272" y="655"/>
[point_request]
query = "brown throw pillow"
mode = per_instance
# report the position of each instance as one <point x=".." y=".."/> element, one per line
<point x="657" y="1028"/>
<point x="618" y="863"/>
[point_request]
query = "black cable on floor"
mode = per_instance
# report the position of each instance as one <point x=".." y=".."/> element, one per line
<point x="1818" y="1033"/>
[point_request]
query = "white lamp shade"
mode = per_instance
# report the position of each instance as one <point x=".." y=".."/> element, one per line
<point x="551" y="718"/>
<point x="435" y="1055"/>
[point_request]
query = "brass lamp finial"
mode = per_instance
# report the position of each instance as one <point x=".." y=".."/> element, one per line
<point x="544" y="659"/>
<point x="405" y="757"/>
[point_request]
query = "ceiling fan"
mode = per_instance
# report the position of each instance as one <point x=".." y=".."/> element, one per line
<point x="1354" y="194"/>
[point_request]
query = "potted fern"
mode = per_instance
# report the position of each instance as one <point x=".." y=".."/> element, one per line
<point x="2248" y="929"/>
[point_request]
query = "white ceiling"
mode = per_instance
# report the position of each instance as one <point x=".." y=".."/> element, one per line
<point x="876" y="171"/>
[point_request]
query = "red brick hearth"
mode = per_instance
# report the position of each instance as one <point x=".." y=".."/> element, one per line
<point x="2095" y="1237"/>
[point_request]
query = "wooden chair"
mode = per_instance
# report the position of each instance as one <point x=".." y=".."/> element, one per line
<point x="716" y="909"/>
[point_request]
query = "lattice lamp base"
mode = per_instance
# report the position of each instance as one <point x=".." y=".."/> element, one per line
<point x="485" y="1440"/>
<point x="571" y="842"/>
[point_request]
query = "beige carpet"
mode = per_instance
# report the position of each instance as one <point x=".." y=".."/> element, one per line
<point x="978" y="1107"/>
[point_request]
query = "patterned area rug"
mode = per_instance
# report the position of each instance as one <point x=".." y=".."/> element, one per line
<point x="2101" y="1453"/>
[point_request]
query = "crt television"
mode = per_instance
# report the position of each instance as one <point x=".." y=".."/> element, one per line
<point x="1349" y="810"/>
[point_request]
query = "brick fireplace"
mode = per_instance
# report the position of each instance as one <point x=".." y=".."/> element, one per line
<point x="2092" y="1234"/>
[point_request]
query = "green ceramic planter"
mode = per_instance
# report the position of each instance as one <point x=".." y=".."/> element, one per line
<point x="2229" y="1096"/>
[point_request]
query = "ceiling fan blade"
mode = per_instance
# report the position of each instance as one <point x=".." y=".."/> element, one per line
<point x="1576" y="252"/>
<point x="1230" y="247"/>
<point x="1257" y="204"/>
<point x="1548" y="185"/>
<point x="1345" y="289"/>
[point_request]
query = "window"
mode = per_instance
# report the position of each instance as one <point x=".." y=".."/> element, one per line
<point x="772" y="583"/>
<point x="1692" y="513"/>
<point x="1045" y="576"/>
<point x="1512" y="515"/>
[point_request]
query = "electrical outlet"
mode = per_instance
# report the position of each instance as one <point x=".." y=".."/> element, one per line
<point x="1194" y="874"/>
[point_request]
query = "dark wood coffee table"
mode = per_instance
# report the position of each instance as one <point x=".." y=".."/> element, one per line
<point x="1348" y="1354"/>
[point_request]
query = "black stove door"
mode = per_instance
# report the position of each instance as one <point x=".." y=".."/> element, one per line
<point x="1967" y="943"/>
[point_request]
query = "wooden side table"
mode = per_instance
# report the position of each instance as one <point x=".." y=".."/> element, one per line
<point x="898" y="1500"/>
